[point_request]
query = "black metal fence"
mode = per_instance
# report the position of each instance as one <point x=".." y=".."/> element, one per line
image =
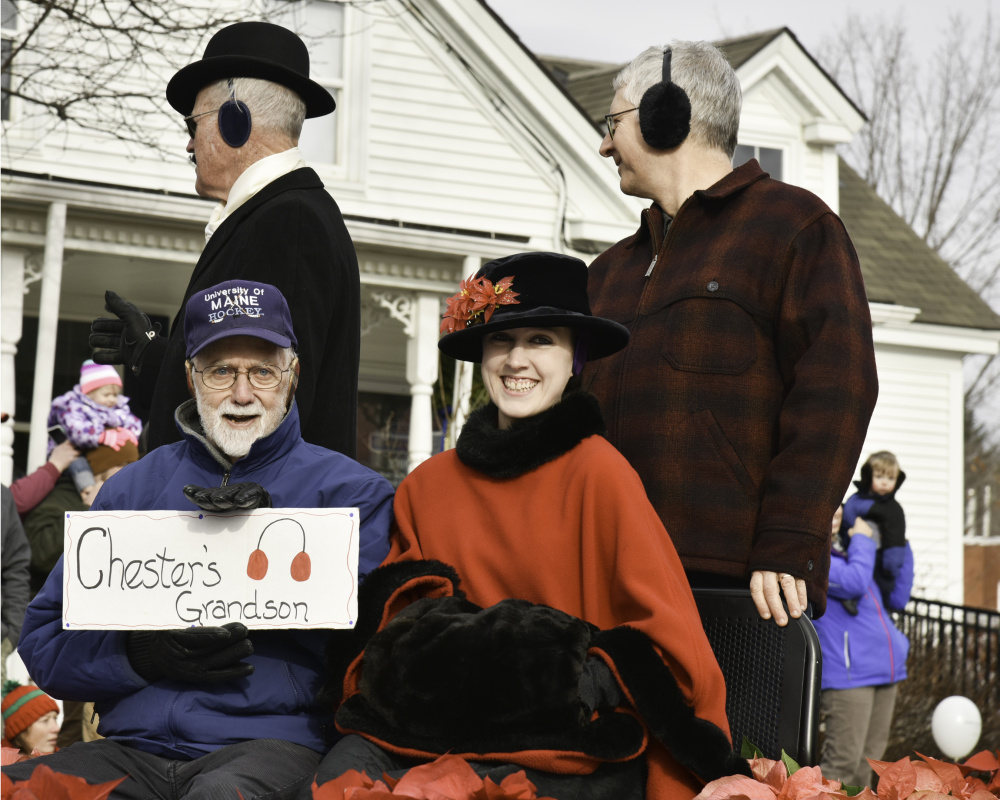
<point x="953" y="650"/>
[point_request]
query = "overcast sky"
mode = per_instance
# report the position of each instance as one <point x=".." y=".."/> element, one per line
<point x="617" y="30"/>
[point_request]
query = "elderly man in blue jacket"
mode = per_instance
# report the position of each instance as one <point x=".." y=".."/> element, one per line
<point x="205" y="712"/>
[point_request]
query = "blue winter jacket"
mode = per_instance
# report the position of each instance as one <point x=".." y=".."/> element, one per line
<point x="867" y="649"/>
<point x="185" y="720"/>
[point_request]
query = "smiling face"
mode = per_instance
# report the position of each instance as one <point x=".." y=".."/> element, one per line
<point x="629" y="150"/>
<point x="234" y="418"/>
<point x="525" y="370"/>
<point x="41" y="735"/>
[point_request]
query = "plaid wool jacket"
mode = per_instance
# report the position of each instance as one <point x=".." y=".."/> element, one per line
<point x="744" y="395"/>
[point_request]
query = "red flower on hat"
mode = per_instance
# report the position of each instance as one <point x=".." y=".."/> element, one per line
<point x="475" y="302"/>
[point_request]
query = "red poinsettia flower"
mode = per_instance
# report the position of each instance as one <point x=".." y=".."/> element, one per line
<point x="448" y="777"/>
<point x="46" y="784"/>
<point x="458" y="308"/>
<point x="475" y="301"/>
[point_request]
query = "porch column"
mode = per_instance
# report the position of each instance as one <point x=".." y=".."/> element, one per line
<point x="463" y="372"/>
<point x="12" y="305"/>
<point x="421" y="373"/>
<point x="48" y="321"/>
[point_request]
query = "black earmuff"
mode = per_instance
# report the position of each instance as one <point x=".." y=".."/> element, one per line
<point x="665" y="112"/>
<point x="234" y="120"/>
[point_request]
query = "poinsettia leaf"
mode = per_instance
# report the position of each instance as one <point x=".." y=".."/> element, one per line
<point x="51" y="785"/>
<point x="445" y="778"/>
<point x="808" y="783"/>
<point x="334" y="790"/>
<point x="503" y="284"/>
<point x="949" y="776"/>
<point x="852" y="791"/>
<point x="749" y="750"/>
<point x="10" y="755"/>
<point x="517" y="786"/>
<point x="732" y="787"/>
<point x="790" y="763"/>
<point x="864" y="793"/>
<point x="983" y="761"/>
<point x="770" y="772"/>
<point x="982" y="794"/>
<point x="898" y="780"/>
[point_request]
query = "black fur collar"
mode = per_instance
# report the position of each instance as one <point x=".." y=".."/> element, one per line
<point x="528" y="443"/>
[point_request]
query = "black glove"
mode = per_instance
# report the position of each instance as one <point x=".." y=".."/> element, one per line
<point x="244" y="496"/>
<point x="198" y="655"/>
<point x="122" y="340"/>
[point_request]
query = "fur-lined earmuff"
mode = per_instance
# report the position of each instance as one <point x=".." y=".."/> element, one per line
<point x="665" y="112"/>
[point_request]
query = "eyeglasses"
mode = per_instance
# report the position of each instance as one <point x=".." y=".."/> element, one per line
<point x="222" y="376"/>
<point x="192" y="126"/>
<point x="610" y="119"/>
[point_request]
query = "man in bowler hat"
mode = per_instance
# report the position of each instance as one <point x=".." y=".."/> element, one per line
<point x="244" y="104"/>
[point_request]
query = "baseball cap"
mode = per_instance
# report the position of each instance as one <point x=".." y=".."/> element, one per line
<point x="237" y="308"/>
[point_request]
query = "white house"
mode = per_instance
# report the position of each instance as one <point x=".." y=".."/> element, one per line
<point x="451" y="144"/>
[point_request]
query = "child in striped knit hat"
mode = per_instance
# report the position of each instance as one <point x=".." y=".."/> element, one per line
<point x="29" y="719"/>
<point x="94" y="412"/>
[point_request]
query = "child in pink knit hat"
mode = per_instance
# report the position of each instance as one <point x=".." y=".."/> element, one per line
<point x="92" y="413"/>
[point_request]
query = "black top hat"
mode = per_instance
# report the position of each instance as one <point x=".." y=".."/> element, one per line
<point x="251" y="50"/>
<point x="547" y="290"/>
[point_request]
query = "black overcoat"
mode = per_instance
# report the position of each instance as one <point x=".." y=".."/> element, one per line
<point x="290" y="234"/>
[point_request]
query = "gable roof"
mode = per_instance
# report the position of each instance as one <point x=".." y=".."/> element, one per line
<point x="898" y="267"/>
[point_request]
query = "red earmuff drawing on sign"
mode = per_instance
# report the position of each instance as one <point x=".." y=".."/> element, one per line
<point x="301" y="565"/>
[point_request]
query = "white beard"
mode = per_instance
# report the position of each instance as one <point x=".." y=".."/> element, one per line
<point x="232" y="442"/>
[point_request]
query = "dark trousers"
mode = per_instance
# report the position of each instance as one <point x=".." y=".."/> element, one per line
<point x="263" y="769"/>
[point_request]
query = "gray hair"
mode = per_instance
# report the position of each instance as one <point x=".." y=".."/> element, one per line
<point x="275" y="109"/>
<point x="701" y="70"/>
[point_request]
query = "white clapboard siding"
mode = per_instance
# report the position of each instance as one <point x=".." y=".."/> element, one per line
<point x="438" y="155"/>
<point x="919" y="418"/>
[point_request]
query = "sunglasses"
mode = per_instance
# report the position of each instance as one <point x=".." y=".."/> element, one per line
<point x="192" y="126"/>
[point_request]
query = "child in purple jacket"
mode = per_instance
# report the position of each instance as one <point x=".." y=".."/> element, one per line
<point x="94" y="412"/>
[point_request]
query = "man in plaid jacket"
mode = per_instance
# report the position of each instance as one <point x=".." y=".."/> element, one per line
<point x="744" y="395"/>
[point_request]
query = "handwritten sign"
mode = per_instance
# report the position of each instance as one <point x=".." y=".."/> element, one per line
<point x="269" y="568"/>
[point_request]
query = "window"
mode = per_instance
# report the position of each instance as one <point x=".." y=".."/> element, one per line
<point x="320" y="23"/>
<point x="768" y="157"/>
<point x="8" y="23"/>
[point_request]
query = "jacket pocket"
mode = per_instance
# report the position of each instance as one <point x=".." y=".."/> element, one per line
<point x="726" y="452"/>
<point x="711" y="335"/>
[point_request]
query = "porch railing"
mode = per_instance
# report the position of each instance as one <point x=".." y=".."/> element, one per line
<point x="953" y="650"/>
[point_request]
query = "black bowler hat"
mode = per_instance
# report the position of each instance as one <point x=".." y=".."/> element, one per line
<point x="546" y="290"/>
<point x="251" y="50"/>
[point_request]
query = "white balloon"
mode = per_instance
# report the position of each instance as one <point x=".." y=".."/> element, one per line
<point x="956" y="726"/>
